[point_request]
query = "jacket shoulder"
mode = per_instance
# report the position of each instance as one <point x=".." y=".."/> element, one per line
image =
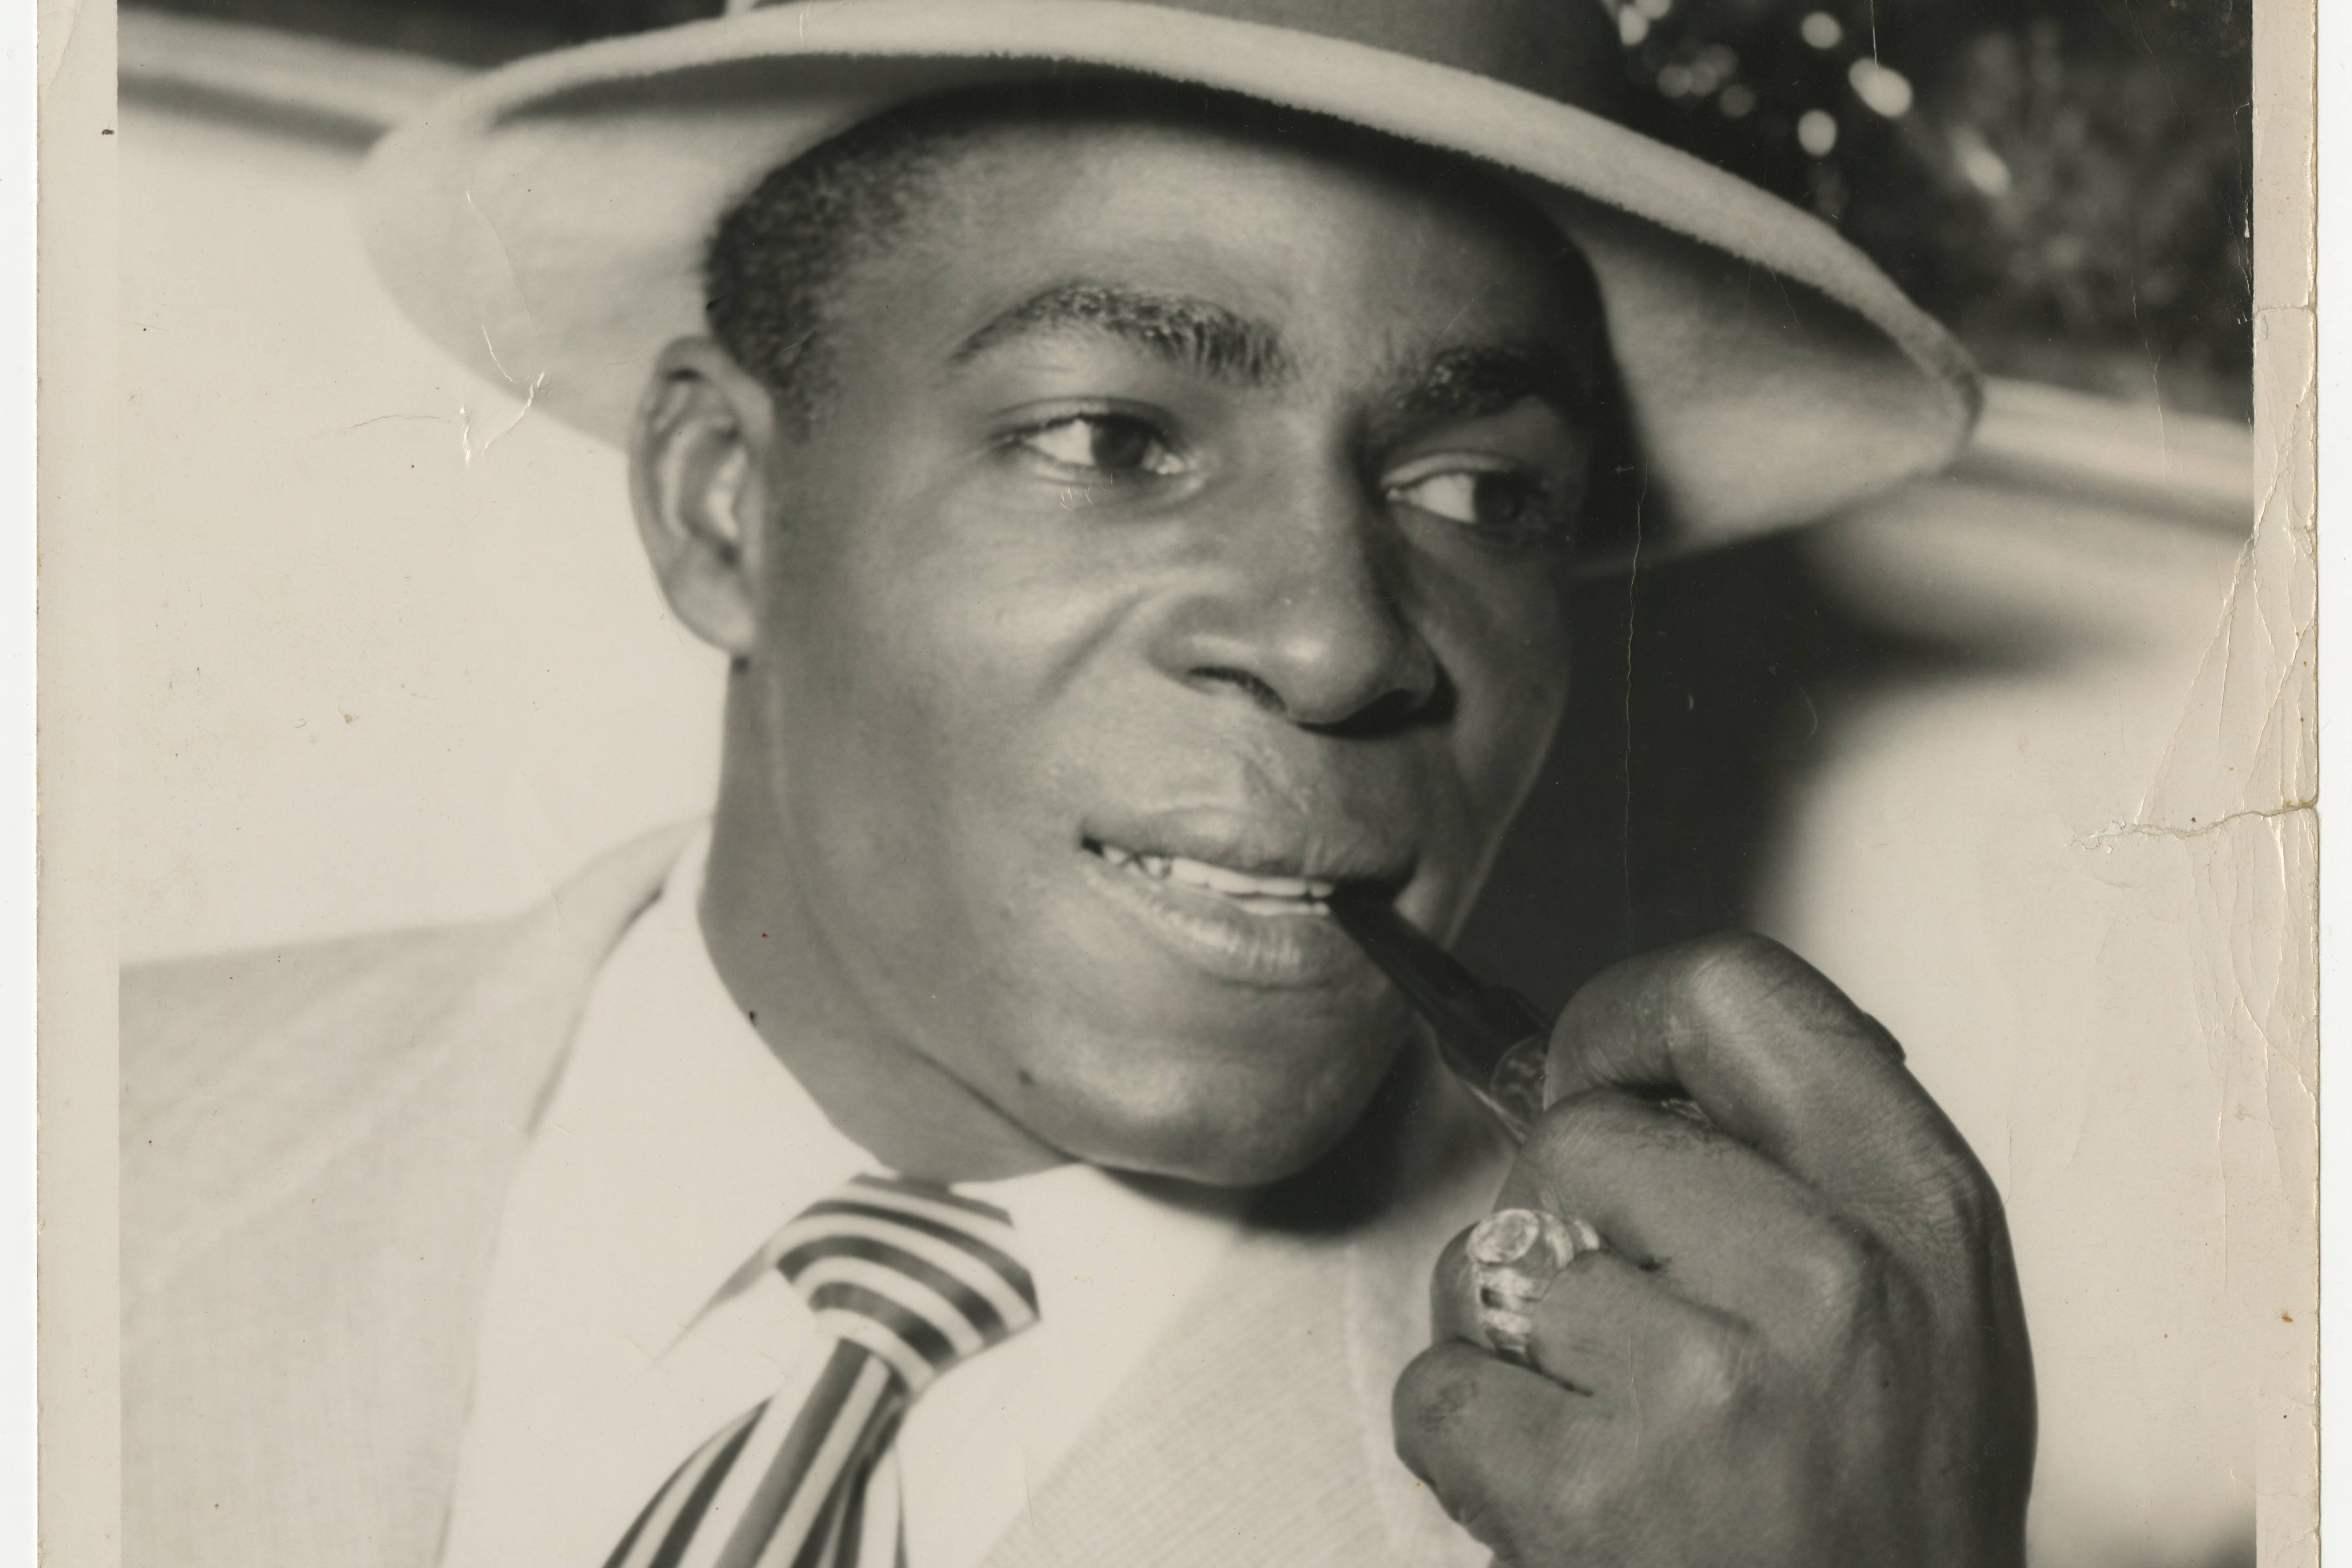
<point x="309" y="1007"/>
<point x="233" y="1064"/>
<point x="243" y="1073"/>
<point x="186" y="1022"/>
<point x="180" y="1017"/>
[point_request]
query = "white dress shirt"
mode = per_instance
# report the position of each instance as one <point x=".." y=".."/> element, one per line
<point x="673" y="1147"/>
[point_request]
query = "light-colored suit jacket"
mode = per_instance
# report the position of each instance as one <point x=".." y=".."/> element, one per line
<point x="318" y="1144"/>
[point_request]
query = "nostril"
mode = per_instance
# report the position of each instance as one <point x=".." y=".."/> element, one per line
<point x="1424" y="702"/>
<point x="1209" y="676"/>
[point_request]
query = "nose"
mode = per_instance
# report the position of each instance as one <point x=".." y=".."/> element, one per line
<point x="1301" y="604"/>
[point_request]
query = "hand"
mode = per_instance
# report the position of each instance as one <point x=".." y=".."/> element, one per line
<point x="1804" y="1345"/>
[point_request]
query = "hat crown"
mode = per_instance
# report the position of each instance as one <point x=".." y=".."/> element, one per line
<point x="1565" y="49"/>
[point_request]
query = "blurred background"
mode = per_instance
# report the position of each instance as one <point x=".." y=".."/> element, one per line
<point x="2063" y="181"/>
<point x="390" y="653"/>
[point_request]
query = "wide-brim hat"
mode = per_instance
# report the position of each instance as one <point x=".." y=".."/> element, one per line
<point x="547" y="222"/>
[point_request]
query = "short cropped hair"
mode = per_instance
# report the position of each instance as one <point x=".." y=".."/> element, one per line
<point x="773" y="273"/>
<point x="772" y="277"/>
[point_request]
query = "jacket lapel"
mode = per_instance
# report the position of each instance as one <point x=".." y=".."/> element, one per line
<point x="312" y="1199"/>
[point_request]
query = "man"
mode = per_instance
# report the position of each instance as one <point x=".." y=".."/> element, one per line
<point x="1130" y="455"/>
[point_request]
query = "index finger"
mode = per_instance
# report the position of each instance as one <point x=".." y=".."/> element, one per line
<point x="1779" y="1057"/>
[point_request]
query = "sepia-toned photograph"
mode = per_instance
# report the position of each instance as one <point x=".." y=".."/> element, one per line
<point x="1213" y="783"/>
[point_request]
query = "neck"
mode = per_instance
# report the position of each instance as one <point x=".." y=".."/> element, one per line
<point x="882" y="1090"/>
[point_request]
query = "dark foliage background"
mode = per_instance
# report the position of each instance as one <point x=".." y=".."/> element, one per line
<point x="2065" y="182"/>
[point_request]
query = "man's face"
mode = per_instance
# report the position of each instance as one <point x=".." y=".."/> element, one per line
<point x="1179" y="539"/>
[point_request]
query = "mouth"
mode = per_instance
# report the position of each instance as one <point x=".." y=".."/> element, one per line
<point x="1238" y="908"/>
<point x="1268" y="897"/>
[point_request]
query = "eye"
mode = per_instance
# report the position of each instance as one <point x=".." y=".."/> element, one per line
<point x="1491" y="500"/>
<point x="1111" y="443"/>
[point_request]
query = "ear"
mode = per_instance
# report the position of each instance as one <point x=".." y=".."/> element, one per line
<point x="697" y="476"/>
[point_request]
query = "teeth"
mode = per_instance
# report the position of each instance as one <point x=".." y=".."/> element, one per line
<point x="1216" y="878"/>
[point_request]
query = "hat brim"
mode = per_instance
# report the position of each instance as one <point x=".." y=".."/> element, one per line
<point x="546" y="224"/>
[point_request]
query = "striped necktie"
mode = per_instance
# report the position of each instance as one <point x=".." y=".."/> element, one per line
<point x="906" y="1280"/>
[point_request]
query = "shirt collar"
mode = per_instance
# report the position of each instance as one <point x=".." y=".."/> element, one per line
<point x="738" y="1146"/>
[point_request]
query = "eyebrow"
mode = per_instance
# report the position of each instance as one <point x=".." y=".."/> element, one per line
<point x="1477" y="381"/>
<point x="1191" y="334"/>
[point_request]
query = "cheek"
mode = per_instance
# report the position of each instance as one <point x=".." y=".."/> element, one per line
<point x="918" y="682"/>
<point x="1511" y="659"/>
<point x="871" y="647"/>
<point x="961" y="613"/>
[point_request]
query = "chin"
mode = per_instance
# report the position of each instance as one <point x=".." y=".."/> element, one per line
<point x="1239" y="1134"/>
<point x="1227" y="1163"/>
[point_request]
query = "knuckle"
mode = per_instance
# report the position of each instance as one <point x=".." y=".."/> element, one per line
<point x="1721" y="979"/>
<point x="1431" y="1400"/>
<point x="1956" y="1203"/>
<point x="1735" y="960"/>
<point x="1716" y="1370"/>
<point x="1571" y="1139"/>
<point x="1569" y="1130"/>
<point x="1592" y="1125"/>
<point x="1575" y="1483"/>
<point x="1880" y="1037"/>
<point x="1840" y="1269"/>
<point x="1735" y="948"/>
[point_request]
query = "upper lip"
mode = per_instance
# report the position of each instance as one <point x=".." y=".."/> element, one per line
<point x="1347" y="854"/>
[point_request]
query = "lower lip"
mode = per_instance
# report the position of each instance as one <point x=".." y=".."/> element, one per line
<point x="1211" y="933"/>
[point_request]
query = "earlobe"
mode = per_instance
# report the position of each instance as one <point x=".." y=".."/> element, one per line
<point x="697" y="482"/>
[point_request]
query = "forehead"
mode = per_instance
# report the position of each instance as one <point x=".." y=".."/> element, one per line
<point x="1344" y="242"/>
